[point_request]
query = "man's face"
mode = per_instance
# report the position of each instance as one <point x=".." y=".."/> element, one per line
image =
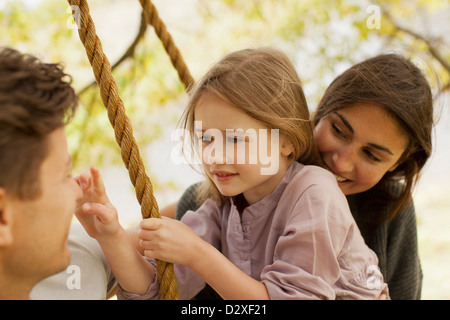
<point x="40" y="226"/>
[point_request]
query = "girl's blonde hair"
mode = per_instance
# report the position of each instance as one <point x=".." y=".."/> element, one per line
<point x="264" y="84"/>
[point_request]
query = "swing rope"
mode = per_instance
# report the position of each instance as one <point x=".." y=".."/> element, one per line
<point x="152" y="17"/>
<point x="121" y="123"/>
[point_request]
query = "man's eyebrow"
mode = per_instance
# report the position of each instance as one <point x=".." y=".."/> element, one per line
<point x="346" y="123"/>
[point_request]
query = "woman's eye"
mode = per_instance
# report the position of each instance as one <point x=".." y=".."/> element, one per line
<point x="371" y="156"/>
<point x="337" y="130"/>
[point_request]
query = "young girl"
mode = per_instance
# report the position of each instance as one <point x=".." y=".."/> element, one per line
<point x="283" y="233"/>
<point x="373" y="130"/>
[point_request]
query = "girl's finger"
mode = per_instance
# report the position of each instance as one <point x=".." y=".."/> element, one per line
<point x="98" y="184"/>
<point x="84" y="179"/>
<point x="147" y="244"/>
<point x="150" y="254"/>
<point x="151" y="224"/>
<point x="145" y="234"/>
<point x="103" y="213"/>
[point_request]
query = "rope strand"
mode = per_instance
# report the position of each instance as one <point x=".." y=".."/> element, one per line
<point x="152" y="17"/>
<point x="123" y="134"/>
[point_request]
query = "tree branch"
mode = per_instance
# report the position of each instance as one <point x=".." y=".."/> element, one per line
<point x="127" y="54"/>
<point x="431" y="48"/>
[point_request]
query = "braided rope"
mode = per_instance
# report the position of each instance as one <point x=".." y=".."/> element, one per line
<point x="123" y="134"/>
<point x="152" y="18"/>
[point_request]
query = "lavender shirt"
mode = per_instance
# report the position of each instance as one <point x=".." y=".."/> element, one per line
<point x="301" y="241"/>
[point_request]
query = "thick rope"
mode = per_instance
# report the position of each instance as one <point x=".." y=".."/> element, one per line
<point x="152" y="18"/>
<point x="123" y="134"/>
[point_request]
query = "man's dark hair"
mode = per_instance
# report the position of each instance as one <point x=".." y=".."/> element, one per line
<point x="36" y="98"/>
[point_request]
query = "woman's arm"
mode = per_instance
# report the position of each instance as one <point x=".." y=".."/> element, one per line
<point x="169" y="211"/>
<point x="403" y="274"/>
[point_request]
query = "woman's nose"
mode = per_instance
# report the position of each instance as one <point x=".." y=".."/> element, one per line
<point x="343" y="160"/>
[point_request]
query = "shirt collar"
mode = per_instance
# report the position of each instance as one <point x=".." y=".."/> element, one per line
<point x="269" y="202"/>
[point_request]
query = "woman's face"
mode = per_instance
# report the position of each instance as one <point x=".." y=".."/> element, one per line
<point x="359" y="144"/>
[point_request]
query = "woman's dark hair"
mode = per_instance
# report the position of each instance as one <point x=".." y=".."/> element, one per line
<point x="395" y="83"/>
<point x="35" y="99"/>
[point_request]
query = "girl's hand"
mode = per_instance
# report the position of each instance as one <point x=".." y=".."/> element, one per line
<point x="169" y="240"/>
<point x="94" y="210"/>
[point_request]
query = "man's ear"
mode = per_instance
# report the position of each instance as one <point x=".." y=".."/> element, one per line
<point x="5" y="221"/>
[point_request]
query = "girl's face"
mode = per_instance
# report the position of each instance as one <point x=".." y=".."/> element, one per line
<point x="359" y="144"/>
<point x="239" y="153"/>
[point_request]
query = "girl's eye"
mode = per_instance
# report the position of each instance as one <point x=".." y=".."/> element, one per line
<point x="234" y="139"/>
<point x="205" y="138"/>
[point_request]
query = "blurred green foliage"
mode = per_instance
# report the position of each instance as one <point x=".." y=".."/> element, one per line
<point x="323" y="37"/>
